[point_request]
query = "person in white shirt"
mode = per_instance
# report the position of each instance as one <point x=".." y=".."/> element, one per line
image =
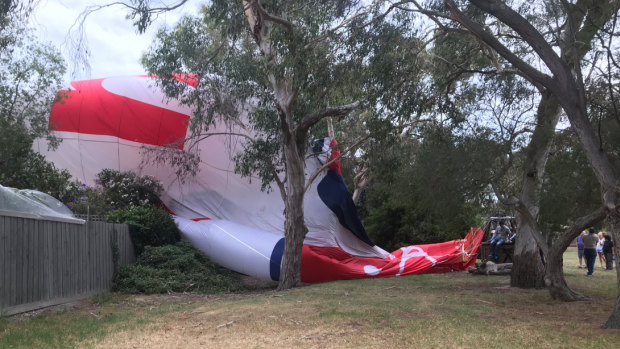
<point x="599" y="249"/>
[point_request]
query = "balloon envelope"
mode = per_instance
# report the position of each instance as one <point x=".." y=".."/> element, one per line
<point x="110" y="123"/>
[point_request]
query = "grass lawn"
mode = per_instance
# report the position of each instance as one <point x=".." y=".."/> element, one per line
<point x="454" y="310"/>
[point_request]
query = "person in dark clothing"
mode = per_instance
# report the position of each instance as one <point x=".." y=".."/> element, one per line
<point x="607" y="250"/>
<point x="589" y="252"/>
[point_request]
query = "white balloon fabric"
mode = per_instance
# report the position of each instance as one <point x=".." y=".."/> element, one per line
<point x="109" y="123"/>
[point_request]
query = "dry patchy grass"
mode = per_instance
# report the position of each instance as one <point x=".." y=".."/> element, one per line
<point x="454" y="310"/>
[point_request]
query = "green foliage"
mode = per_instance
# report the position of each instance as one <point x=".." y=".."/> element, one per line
<point x="30" y="75"/>
<point x="428" y="191"/>
<point x="148" y="226"/>
<point x="375" y="62"/>
<point x="570" y="188"/>
<point x="128" y="190"/>
<point x="114" y="190"/>
<point x="87" y="200"/>
<point x="32" y="171"/>
<point x="175" y="268"/>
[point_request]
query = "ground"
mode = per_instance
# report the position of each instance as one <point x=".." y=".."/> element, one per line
<point x="455" y="310"/>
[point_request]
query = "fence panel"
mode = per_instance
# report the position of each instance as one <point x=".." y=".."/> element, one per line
<point x="44" y="263"/>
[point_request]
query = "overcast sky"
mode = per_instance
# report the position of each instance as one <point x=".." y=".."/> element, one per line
<point x="115" y="46"/>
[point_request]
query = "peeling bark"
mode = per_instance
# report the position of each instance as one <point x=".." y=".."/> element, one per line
<point x="294" y="225"/>
<point x="361" y="181"/>
<point x="527" y="268"/>
<point x="548" y="114"/>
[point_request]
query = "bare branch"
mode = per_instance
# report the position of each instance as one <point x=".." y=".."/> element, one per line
<point x="489" y="39"/>
<point x="76" y="37"/>
<point x="432" y="15"/>
<point x="581" y="224"/>
<point x="312" y="119"/>
<point x="525" y="29"/>
<point x="269" y="17"/>
<point x="268" y="161"/>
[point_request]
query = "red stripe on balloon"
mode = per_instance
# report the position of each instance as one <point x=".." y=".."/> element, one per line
<point x="190" y="79"/>
<point x="335" y="166"/>
<point x="91" y="109"/>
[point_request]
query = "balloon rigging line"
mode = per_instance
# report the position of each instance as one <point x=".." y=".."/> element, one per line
<point x="241" y="242"/>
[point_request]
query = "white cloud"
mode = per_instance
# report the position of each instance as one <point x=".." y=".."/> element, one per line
<point x="114" y="44"/>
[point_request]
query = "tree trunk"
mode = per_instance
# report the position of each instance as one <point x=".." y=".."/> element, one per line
<point x="294" y="225"/>
<point x="554" y="275"/>
<point x="360" y="181"/>
<point x="613" y="218"/>
<point x="528" y="270"/>
<point x="567" y="86"/>
<point x="574" y="104"/>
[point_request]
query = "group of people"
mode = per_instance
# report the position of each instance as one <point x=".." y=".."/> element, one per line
<point x="590" y="245"/>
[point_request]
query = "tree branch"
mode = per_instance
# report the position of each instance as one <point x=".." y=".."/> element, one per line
<point x="526" y="30"/>
<point x="317" y="172"/>
<point x="490" y="40"/>
<point x="580" y="225"/>
<point x="329" y="32"/>
<point x="312" y="119"/>
<point x="433" y="15"/>
<point x="529" y="219"/>
<point x="76" y="38"/>
<point x="269" y="17"/>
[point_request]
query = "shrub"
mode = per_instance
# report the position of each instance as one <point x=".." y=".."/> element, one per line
<point x="175" y="268"/>
<point x="128" y="190"/>
<point x="148" y="226"/>
<point x="87" y="200"/>
<point x="32" y="171"/>
<point x="114" y="190"/>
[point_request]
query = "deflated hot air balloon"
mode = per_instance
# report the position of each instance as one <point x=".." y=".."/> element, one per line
<point x="107" y="123"/>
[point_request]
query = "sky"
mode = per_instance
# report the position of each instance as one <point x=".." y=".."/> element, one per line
<point x="115" y="45"/>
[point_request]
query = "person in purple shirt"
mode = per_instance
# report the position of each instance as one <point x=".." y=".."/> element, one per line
<point x="580" y="247"/>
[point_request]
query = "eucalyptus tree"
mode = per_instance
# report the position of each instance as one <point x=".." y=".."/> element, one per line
<point x="561" y="50"/>
<point x="573" y="30"/>
<point x="279" y="68"/>
<point x="483" y="90"/>
<point x="14" y="11"/>
<point x="30" y="75"/>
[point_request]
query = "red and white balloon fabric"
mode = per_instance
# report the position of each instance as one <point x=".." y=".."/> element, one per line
<point x="108" y="123"/>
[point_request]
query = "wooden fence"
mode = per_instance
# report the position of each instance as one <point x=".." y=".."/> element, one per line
<point x="44" y="262"/>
